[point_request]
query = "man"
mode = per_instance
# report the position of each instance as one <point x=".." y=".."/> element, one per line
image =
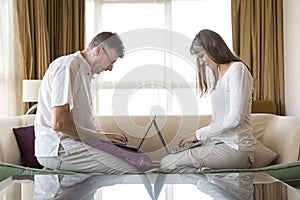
<point x="65" y="116"/>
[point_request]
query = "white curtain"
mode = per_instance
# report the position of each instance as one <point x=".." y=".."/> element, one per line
<point x="11" y="73"/>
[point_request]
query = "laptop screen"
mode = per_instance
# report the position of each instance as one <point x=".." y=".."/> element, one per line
<point x="153" y="120"/>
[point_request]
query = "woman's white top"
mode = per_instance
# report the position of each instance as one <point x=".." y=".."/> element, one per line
<point x="231" y="110"/>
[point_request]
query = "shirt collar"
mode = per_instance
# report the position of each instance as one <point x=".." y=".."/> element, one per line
<point x="85" y="65"/>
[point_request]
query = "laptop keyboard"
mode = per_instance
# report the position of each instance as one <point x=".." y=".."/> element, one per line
<point x="126" y="146"/>
<point x="192" y="145"/>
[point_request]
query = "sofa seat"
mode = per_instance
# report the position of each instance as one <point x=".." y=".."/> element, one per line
<point x="281" y="134"/>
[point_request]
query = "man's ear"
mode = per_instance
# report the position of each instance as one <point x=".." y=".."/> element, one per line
<point x="98" y="49"/>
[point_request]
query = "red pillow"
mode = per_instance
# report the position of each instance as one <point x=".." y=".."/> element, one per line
<point x="25" y="140"/>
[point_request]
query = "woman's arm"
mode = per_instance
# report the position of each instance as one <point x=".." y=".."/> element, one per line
<point x="240" y="94"/>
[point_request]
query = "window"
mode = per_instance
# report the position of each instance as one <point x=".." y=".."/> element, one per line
<point x="157" y="74"/>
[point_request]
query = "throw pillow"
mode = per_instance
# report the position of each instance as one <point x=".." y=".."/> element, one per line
<point x="135" y="158"/>
<point x="25" y="140"/>
<point x="263" y="156"/>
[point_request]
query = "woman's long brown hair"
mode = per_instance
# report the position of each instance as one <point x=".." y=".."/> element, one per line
<point x="217" y="50"/>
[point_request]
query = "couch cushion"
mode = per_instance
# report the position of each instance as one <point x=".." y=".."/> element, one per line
<point x="9" y="151"/>
<point x="263" y="156"/>
<point x="282" y="135"/>
<point x="259" y="123"/>
<point x="25" y="140"/>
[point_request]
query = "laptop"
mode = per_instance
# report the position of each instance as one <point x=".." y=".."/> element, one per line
<point x="174" y="151"/>
<point x="136" y="148"/>
<point x="153" y="122"/>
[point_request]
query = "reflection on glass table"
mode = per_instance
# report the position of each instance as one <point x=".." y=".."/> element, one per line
<point x="233" y="186"/>
<point x="224" y="186"/>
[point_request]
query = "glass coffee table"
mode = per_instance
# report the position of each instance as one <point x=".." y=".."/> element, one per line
<point x="231" y="186"/>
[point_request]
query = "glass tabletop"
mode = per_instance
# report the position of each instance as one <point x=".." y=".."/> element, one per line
<point x="229" y="186"/>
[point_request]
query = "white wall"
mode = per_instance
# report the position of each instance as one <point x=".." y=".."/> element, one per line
<point x="291" y="18"/>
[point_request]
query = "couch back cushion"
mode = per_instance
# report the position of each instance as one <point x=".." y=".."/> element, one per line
<point x="172" y="126"/>
<point x="269" y="129"/>
<point x="9" y="150"/>
<point x="259" y="124"/>
<point x="282" y="135"/>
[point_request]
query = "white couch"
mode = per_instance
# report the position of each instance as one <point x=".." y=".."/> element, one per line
<point x="279" y="133"/>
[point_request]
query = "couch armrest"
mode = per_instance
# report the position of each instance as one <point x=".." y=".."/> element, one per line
<point x="9" y="150"/>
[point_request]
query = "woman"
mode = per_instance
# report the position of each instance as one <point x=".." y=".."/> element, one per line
<point x="227" y="140"/>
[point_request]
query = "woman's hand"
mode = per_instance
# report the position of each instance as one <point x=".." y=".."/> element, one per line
<point x="186" y="139"/>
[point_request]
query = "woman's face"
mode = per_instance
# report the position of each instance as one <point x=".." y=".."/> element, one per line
<point x="205" y="59"/>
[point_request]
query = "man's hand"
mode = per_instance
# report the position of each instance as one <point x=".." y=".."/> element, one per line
<point x="62" y="121"/>
<point x="186" y="139"/>
<point x="117" y="137"/>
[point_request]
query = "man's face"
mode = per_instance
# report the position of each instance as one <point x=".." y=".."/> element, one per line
<point x="105" y="59"/>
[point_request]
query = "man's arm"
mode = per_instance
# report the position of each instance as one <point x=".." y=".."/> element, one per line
<point x="63" y="121"/>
